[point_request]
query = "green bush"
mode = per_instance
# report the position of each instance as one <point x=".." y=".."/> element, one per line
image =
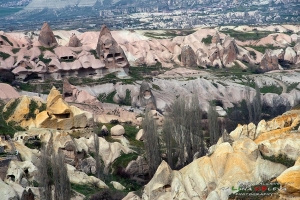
<point x="15" y="50"/>
<point x="7" y="40"/>
<point x="10" y="109"/>
<point x="4" y="55"/>
<point x="207" y="40"/>
<point x="282" y="159"/>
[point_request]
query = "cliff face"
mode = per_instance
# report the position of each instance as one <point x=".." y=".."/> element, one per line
<point x="230" y="165"/>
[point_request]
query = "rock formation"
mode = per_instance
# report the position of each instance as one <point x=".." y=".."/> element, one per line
<point x="145" y="97"/>
<point x="269" y="61"/>
<point x="230" y="50"/>
<point x="29" y="112"/>
<point x="46" y="37"/>
<point x="74" y="41"/>
<point x="188" y="57"/>
<point x="110" y="52"/>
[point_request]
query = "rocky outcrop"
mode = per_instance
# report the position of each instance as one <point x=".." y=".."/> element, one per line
<point x="290" y="55"/>
<point x="110" y="52"/>
<point x="7" y="92"/>
<point x="269" y="61"/>
<point x="56" y="113"/>
<point x="145" y="97"/>
<point x="7" y="192"/>
<point x="188" y="57"/>
<point x="46" y="37"/>
<point x="230" y="51"/>
<point x="229" y="165"/>
<point x="74" y="41"/>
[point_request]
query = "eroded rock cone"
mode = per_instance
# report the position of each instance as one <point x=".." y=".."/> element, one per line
<point x="230" y="50"/>
<point x="146" y="97"/>
<point x="188" y="57"/>
<point x="269" y="61"/>
<point x="74" y="41"/>
<point x="109" y="50"/>
<point x="46" y="37"/>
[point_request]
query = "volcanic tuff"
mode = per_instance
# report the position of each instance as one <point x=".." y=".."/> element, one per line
<point x="46" y="37"/>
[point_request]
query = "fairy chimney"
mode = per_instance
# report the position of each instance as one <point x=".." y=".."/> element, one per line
<point x="109" y="51"/>
<point x="46" y="37"/>
<point x="74" y="41"/>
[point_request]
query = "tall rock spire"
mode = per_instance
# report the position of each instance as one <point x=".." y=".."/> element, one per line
<point x="109" y="50"/>
<point x="46" y="37"/>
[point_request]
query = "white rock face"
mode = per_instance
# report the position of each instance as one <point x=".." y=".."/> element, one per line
<point x="139" y="135"/>
<point x="7" y="192"/>
<point x="81" y="178"/>
<point x="117" y="130"/>
<point x="203" y="178"/>
<point x="17" y="169"/>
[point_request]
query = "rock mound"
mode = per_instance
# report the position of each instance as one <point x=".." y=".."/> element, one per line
<point x="269" y="61"/>
<point x="74" y="41"/>
<point x="56" y="113"/>
<point x="46" y="37"/>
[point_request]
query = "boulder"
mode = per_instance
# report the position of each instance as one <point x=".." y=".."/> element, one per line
<point x="269" y="61"/>
<point x="131" y="196"/>
<point x="81" y="178"/>
<point x="188" y="57"/>
<point x="290" y="55"/>
<point x="88" y="165"/>
<point x="117" y="185"/>
<point x="46" y="37"/>
<point x="137" y="167"/>
<point x="117" y="130"/>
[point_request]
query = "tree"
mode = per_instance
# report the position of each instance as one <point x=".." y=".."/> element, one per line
<point x="248" y="101"/>
<point x="169" y="140"/>
<point x="151" y="143"/>
<point x="257" y="105"/>
<point x="214" y="130"/>
<point x="97" y="155"/>
<point x="186" y="119"/>
<point x="60" y="177"/>
<point x="52" y="170"/>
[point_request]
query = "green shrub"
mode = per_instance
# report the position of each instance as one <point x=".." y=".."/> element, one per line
<point x="94" y="52"/>
<point x="207" y="40"/>
<point x="10" y="109"/>
<point x="33" y="106"/>
<point x="15" y="50"/>
<point x="7" y="40"/>
<point x="4" y="55"/>
<point x="282" y="159"/>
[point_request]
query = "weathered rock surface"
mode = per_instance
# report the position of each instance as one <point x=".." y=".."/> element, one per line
<point x="269" y="61"/>
<point x="29" y="112"/>
<point x="228" y="166"/>
<point x="7" y="92"/>
<point x="46" y="37"/>
<point x="7" y="192"/>
<point x="81" y="178"/>
<point x="145" y="97"/>
<point x="188" y="57"/>
<point x="74" y="41"/>
<point x="110" y="52"/>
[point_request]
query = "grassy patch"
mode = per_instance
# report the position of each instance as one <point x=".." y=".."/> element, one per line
<point x="33" y="106"/>
<point x="44" y="60"/>
<point x="243" y="36"/>
<point x="263" y="49"/>
<point x="10" y="109"/>
<point x="42" y="48"/>
<point x="107" y="98"/>
<point x="207" y="40"/>
<point x="169" y="34"/>
<point x="86" y="190"/>
<point x="15" y="50"/>
<point x="291" y="87"/>
<point x="7" y="40"/>
<point x="123" y="160"/>
<point x="156" y="87"/>
<point x="271" y="89"/>
<point x="282" y="159"/>
<point x="94" y="52"/>
<point x="4" y="55"/>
